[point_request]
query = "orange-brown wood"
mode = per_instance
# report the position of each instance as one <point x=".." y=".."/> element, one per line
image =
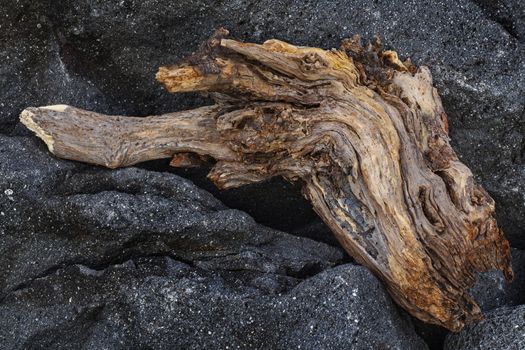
<point x="366" y="135"/>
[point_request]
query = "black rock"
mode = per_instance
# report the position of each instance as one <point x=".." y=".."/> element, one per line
<point x="510" y="14"/>
<point x="127" y="259"/>
<point x="502" y="329"/>
<point x="285" y="209"/>
<point x="103" y="56"/>
<point x="55" y="213"/>
<point x="492" y="291"/>
<point x="158" y="303"/>
<point x="70" y="225"/>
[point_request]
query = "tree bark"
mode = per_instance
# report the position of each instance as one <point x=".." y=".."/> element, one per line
<point x="365" y="133"/>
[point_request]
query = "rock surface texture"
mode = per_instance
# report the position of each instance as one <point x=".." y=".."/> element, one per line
<point x="503" y="328"/>
<point x="95" y="258"/>
<point x="131" y="259"/>
<point x="492" y="291"/>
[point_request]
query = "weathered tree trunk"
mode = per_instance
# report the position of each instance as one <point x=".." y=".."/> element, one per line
<point x="364" y="132"/>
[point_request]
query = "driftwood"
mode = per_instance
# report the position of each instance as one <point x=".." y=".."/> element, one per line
<point x="365" y="133"/>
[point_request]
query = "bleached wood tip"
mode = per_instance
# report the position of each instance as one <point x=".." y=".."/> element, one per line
<point x="57" y="108"/>
<point x="27" y="117"/>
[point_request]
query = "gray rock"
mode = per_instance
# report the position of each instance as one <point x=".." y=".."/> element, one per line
<point x="491" y="291"/>
<point x="55" y="213"/>
<point x="93" y="258"/>
<point x="510" y="14"/>
<point x="502" y="329"/>
<point x="103" y="56"/>
<point x="285" y="209"/>
<point x="158" y="303"/>
<point x="58" y="217"/>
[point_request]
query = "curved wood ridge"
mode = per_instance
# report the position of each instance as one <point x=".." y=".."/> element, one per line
<point x="364" y="132"/>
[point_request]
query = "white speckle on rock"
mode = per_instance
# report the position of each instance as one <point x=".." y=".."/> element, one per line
<point x="9" y="192"/>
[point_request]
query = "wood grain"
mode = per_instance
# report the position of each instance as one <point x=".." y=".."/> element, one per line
<point x="366" y="135"/>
